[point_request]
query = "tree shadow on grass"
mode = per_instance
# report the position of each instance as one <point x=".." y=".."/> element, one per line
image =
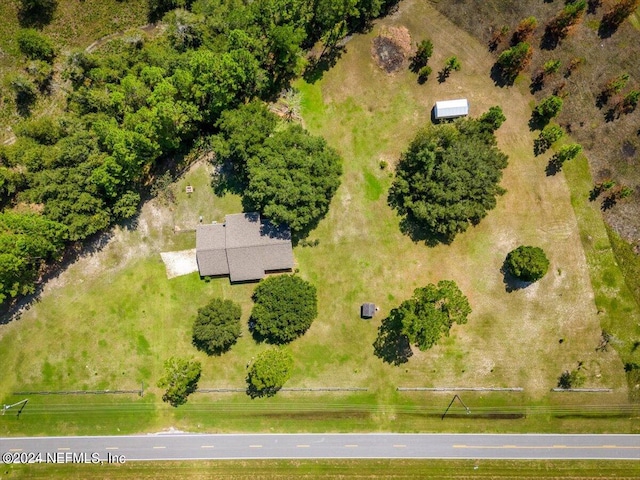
<point x="553" y="167"/>
<point x="537" y="83"/>
<point x="537" y="122"/>
<point x="226" y="180"/>
<point x="609" y="202"/>
<point x="319" y="65"/>
<point x="443" y="75"/>
<point x="391" y="346"/>
<point x="511" y="282"/>
<point x="550" y="40"/>
<point x="419" y="233"/>
<point x="37" y="16"/>
<point x="254" y="393"/>
<point x="500" y="79"/>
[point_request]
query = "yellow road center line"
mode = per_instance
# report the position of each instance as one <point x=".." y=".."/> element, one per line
<point x="350" y="446"/>
<point x="207" y="446"/>
<point x="608" y="446"/>
<point x="509" y="446"/>
<point x="459" y="446"/>
<point x="302" y="446"/>
<point x="255" y="446"/>
<point x="559" y="446"/>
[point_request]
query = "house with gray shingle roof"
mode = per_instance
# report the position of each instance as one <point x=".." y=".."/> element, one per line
<point x="245" y="247"/>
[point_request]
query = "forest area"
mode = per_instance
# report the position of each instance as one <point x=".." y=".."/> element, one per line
<point x="138" y="101"/>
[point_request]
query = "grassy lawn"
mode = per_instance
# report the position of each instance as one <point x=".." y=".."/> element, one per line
<point x="396" y="469"/>
<point x="110" y="320"/>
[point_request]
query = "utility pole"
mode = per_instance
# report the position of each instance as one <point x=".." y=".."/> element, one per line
<point x="453" y="400"/>
<point x="7" y="407"/>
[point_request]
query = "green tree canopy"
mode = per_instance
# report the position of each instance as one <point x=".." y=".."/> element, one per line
<point x="447" y="180"/>
<point x="292" y="179"/>
<point x="269" y="372"/>
<point x="242" y="132"/>
<point x="515" y="59"/>
<point x="431" y="313"/>
<point x="217" y="326"/>
<point x="547" y="137"/>
<point x="35" y="45"/>
<point x="422" y="55"/>
<point x="285" y="306"/>
<point x="527" y="263"/>
<point x="548" y="108"/>
<point x="180" y="380"/>
<point x="27" y="241"/>
<point x="493" y="118"/>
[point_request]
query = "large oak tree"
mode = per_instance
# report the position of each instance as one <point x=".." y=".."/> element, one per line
<point x="447" y="180"/>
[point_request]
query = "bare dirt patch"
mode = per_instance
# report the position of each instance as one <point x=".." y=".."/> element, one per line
<point x="391" y="48"/>
<point x="180" y="263"/>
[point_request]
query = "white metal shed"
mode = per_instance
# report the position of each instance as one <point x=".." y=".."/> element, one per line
<point x="452" y="108"/>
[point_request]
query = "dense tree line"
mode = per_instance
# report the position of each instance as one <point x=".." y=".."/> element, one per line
<point x="137" y="100"/>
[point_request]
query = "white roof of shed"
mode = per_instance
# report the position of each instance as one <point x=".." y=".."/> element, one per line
<point x="452" y="108"/>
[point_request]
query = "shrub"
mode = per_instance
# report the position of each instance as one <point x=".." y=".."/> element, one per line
<point x="421" y="58"/>
<point x="493" y="118"/>
<point x="452" y="63"/>
<point x="570" y="379"/>
<point x="514" y="60"/>
<point x="528" y="263"/>
<point x="423" y="73"/>
<point x="547" y="137"/>
<point x="548" y="108"/>
<point x="572" y="13"/>
<point x="525" y="29"/>
<point x="551" y="66"/>
<point x="630" y="101"/>
<point x="269" y="372"/>
<point x="217" y="326"/>
<point x="285" y="306"/>
<point x="35" y="45"/>
<point x="615" y="85"/>
<point x="567" y="152"/>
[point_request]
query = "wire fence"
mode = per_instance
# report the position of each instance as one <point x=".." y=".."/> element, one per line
<point x="460" y="389"/>
<point x="139" y="392"/>
<point x="588" y="390"/>
<point x="318" y="389"/>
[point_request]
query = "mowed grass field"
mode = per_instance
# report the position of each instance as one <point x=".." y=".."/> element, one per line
<point x="327" y="469"/>
<point x="111" y="319"/>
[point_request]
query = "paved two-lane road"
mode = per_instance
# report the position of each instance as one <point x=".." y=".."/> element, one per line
<point x="291" y="446"/>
